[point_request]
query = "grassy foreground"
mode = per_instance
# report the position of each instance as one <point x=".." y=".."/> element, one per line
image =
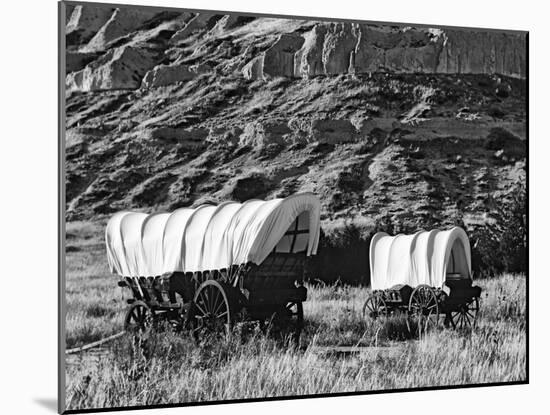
<point x="170" y="368"/>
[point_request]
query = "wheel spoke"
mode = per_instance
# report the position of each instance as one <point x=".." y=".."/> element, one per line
<point x="220" y="302"/>
<point x="204" y="313"/>
<point x="211" y="294"/>
<point x="207" y="294"/>
<point x="207" y="300"/>
<point x="202" y="296"/>
<point x="217" y="297"/>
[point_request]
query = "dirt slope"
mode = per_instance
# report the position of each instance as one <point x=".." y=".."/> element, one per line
<point x="174" y="109"/>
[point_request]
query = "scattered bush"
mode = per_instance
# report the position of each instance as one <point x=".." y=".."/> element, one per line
<point x="502" y="139"/>
<point x="501" y="246"/>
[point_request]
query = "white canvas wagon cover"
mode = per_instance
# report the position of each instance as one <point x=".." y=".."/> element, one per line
<point x="211" y="237"/>
<point x="425" y="257"/>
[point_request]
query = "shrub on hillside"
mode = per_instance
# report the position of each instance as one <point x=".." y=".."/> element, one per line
<point x="501" y="246"/>
<point x="501" y="139"/>
<point x="344" y="257"/>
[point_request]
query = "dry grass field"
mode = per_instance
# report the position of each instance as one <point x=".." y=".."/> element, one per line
<point x="169" y="368"/>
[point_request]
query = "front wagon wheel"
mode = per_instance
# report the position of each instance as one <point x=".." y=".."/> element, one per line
<point x="139" y="318"/>
<point x="212" y="311"/>
<point x="374" y="307"/>
<point x="465" y="316"/>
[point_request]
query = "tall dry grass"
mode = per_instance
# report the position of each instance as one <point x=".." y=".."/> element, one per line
<point x="166" y="367"/>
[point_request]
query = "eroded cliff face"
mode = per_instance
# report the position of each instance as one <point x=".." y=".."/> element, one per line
<point x="174" y="109"/>
<point x="262" y="48"/>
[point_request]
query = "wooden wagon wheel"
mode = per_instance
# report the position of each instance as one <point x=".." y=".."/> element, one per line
<point x="465" y="316"/>
<point x="212" y="311"/>
<point x="375" y="307"/>
<point x="424" y="306"/>
<point x="139" y="318"/>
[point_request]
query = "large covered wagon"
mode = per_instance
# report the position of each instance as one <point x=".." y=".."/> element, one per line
<point x="425" y="275"/>
<point x="205" y="268"/>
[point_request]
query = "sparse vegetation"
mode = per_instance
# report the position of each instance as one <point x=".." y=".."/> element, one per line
<point x="501" y="245"/>
<point x="168" y="367"/>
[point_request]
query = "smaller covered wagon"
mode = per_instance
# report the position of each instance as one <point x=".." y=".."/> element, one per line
<point x="204" y="268"/>
<point x="424" y="275"/>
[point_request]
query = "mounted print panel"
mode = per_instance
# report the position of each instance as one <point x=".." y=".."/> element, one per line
<point x="261" y="207"/>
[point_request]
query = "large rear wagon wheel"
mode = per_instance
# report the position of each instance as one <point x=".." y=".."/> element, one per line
<point x="212" y="310"/>
<point x="465" y="316"/>
<point x="423" y="309"/>
<point x="139" y="318"/>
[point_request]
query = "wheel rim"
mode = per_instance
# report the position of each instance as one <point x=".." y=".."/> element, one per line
<point x="374" y="307"/>
<point x="139" y="318"/>
<point x="466" y="315"/>
<point x="424" y="307"/>
<point x="212" y="311"/>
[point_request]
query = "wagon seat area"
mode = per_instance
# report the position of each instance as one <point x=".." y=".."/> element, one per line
<point x="279" y="278"/>
<point x="458" y="278"/>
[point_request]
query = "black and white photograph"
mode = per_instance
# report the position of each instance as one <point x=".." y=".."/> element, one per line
<point x="260" y="207"/>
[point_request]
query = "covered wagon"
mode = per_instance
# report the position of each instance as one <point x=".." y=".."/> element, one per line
<point x="425" y="275"/>
<point x="205" y="267"/>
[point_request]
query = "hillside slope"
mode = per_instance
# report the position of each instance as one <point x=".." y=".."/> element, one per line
<point x="174" y="109"/>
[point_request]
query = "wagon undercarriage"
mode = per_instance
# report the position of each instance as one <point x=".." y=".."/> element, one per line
<point x="212" y="302"/>
<point x="456" y="305"/>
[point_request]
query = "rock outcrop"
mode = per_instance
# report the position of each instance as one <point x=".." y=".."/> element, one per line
<point x="472" y="51"/>
<point x="263" y="133"/>
<point x="276" y="61"/>
<point x="75" y="61"/>
<point x="338" y="48"/>
<point x="163" y="75"/>
<point x="254" y="69"/>
<point x="121" y="68"/>
<point x="85" y="22"/>
<point x="333" y="131"/>
<point x="279" y="58"/>
<point x="195" y="24"/>
<point x="122" y="22"/>
<point x="309" y="59"/>
<point x="189" y="138"/>
<point x="176" y="42"/>
<point x="228" y="22"/>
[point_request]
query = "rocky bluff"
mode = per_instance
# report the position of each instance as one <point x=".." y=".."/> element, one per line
<point x="272" y="47"/>
<point x="169" y="109"/>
